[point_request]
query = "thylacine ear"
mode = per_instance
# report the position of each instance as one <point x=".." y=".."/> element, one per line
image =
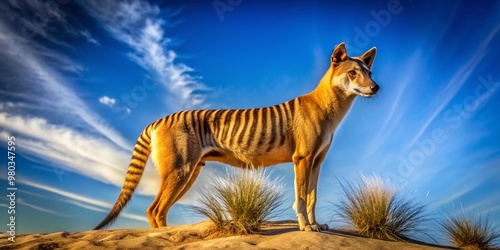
<point x="369" y="56"/>
<point x="339" y="54"/>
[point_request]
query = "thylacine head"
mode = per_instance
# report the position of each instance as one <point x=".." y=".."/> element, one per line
<point x="353" y="74"/>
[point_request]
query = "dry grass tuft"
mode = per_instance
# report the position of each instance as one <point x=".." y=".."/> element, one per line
<point x="471" y="232"/>
<point x="240" y="201"/>
<point x="376" y="209"/>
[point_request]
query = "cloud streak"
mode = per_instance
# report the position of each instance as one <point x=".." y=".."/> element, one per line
<point x="81" y="201"/>
<point x="24" y="203"/>
<point x="138" y="25"/>
<point x="30" y="71"/>
<point x="72" y="150"/>
<point x="457" y="81"/>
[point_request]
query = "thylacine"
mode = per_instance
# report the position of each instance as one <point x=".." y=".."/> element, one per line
<point x="298" y="131"/>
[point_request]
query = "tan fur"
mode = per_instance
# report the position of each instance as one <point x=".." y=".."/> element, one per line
<point x="298" y="131"/>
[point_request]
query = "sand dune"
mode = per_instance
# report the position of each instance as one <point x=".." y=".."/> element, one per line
<point x="282" y="235"/>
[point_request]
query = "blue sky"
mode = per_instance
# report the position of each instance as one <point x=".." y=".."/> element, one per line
<point x="80" y="80"/>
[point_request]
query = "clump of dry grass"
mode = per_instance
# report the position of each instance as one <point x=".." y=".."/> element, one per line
<point x="240" y="201"/>
<point x="375" y="208"/>
<point x="471" y="232"/>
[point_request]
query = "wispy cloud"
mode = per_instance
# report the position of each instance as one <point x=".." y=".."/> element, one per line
<point x="86" y="34"/>
<point x="457" y="194"/>
<point x="484" y="207"/>
<point x="106" y="100"/>
<point x="86" y="206"/>
<point x="74" y="151"/>
<point x="41" y="19"/>
<point x="25" y="203"/>
<point x="81" y="201"/>
<point x="456" y="82"/>
<point x="110" y="102"/>
<point x="31" y="71"/>
<point x="84" y="143"/>
<point x="138" y="25"/>
<point x="134" y="217"/>
<point x="66" y="194"/>
<point x="396" y="110"/>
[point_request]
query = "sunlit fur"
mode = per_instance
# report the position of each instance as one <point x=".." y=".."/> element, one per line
<point x="298" y="131"/>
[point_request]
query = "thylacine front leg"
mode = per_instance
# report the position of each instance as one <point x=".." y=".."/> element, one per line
<point x="311" y="193"/>
<point x="303" y="166"/>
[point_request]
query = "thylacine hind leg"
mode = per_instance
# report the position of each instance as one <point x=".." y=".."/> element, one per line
<point x="151" y="208"/>
<point x="191" y="181"/>
<point x="176" y="165"/>
<point x="174" y="185"/>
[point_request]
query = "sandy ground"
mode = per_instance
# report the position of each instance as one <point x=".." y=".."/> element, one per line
<point x="282" y="235"/>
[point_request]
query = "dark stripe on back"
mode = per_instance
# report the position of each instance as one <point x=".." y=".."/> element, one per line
<point x="206" y="127"/>
<point x="174" y="118"/>
<point x="274" y="116"/>
<point x="236" y="125"/>
<point x="291" y="104"/>
<point x="254" y="135"/>
<point x="255" y="123"/>
<point x="263" y="133"/>
<point x="184" y="117"/>
<point x="193" y="116"/>
<point x="216" y="121"/>
<point x="227" y="125"/>
<point x="199" y="125"/>
<point x="206" y="122"/>
<point x="155" y="123"/>
<point x="221" y="123"/>
<point x="254" y="126"/>
<point x="283" y="123"/>
<point x="239" y="141"/>
<point x="170" y="120"/>
<point x="159" y="122"/>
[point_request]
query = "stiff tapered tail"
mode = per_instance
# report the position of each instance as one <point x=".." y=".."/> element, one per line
<point x="140" y="156"/>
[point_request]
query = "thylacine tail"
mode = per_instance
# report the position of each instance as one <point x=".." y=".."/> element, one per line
<point x="136" y="167"/>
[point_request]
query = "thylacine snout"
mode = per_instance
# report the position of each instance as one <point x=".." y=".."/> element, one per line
<point x="355" y="72"/>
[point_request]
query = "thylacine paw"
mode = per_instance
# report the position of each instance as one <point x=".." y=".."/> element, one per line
<point x="315" y="228"/>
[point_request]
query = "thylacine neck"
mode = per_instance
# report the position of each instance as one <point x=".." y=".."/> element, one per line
<point x="332" y="99"/>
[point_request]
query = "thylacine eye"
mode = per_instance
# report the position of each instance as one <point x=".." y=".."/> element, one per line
<point x="352" y="72"/>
